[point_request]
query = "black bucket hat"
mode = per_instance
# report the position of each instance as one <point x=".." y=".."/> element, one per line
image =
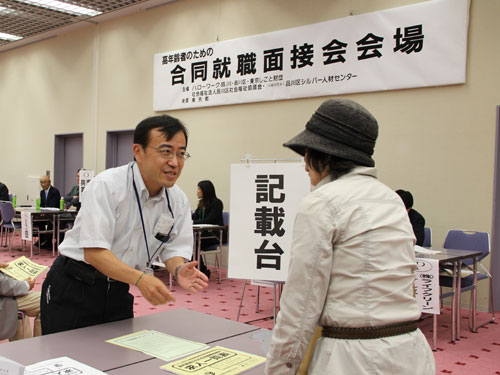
<point x="342" y="128"/>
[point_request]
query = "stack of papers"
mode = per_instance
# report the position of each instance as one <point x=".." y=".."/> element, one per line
<point x="56" y="366"/>
<point x="215" y="361"/>
<point x="158" y="344"/>
<point x="62" y="365"/>
<point x="203" y="360"/>
<point x="423" y="250"/>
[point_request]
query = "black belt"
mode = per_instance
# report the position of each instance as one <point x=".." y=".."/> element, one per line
<point x="83" y="271"/>
<point x="366" y="333"/>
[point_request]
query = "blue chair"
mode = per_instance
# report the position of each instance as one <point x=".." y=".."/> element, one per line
<point x="7" y="224"/>
<point x="470" y="240"/>
<point x="428" y="237"/>
<point x="217" y="249"/>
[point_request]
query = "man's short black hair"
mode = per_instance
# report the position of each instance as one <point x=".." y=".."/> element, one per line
<point x="406" y="196"/>
<point x="167" y="125"/>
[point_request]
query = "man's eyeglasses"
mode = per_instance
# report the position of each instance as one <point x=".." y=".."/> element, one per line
<point x="168" y="154"/>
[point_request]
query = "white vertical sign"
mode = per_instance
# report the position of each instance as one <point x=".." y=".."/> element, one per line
<point x="427" y="285"/>
<point x="86" y="175"/>
<point x="264" y="201"/>
<point x="26" y="228"/>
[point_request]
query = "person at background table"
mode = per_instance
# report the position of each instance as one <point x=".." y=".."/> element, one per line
<point x="15" y="295"/>
<point x="352" y="260"/>
<point x="49" y="195"/>
<point x="209" y="211"/>
<point x="72" y="199"/>
<point x="4" y="192"/>
<point x="124" y="224"/>
<point x="416" y="219"/>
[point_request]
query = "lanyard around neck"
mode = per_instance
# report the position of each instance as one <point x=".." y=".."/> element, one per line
<point x="142" y="219"/>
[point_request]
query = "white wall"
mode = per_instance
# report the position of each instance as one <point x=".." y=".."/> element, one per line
<point x="437" y="142"/>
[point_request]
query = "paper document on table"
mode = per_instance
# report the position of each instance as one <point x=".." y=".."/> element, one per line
<point x="158" y="344"/>
<point x="62" y="365"/>
<point x="10" y="367"/>
<point x="423" y="250"/>
<point x="215" y="361"/>
<point x="22" y="268"/>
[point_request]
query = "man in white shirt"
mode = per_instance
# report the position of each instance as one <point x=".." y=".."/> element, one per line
<point x="130" y="216"/>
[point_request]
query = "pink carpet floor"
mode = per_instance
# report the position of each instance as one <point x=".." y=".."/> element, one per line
<point x="475" y="353"/>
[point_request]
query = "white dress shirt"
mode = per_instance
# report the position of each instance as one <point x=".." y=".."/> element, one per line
<point x="352" y="265"/>
<point x="109" y="218"/>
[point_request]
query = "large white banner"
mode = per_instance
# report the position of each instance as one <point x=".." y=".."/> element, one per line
<point x="418" y="45"/>
<point x="264" y="202"/>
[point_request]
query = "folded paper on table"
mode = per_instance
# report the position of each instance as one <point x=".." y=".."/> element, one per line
<point x="158" y="344"/>
<point x="423" y="250"/>
<point x="215" y="361"/>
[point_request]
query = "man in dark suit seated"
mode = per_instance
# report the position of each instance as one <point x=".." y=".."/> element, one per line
<point x="416" y="219"/>
<point x="72" y="199"/>
<point x="49" y="197"/>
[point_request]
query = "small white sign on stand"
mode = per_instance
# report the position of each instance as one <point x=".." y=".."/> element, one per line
<point x="85" y="176"/>
<point x="26" y="227"/>
<point x="427" y="285"/>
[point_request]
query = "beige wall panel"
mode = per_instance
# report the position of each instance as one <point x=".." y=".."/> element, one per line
<point x="45" y="89"/>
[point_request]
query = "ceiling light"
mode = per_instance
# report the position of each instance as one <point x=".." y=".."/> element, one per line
<point x="9" y="37"/>
<point x="63" y="7"/>
<point x="4" y="10"/>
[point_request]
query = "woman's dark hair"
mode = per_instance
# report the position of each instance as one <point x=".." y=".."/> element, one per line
<point x="406" y="196"/>
<point x="319" y="161"/>
<point x="166" y="124"/>
<point x="208" y="191"/>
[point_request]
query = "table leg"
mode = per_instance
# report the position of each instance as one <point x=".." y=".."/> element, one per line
<point x="459" y="297"/>
<point x="199" y="249"/>
<point x="58" y="232"/>
<point x="474" y="297"/>
<point x="54" y="222"/>
<point x="454" y="303"/>
<point x="434" y="332"/>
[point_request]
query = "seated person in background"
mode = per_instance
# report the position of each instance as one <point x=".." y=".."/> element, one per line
<point x="4" y="192"/>
<point x="49" y="195"/>
<point x="15" y="295"/>
<point x="209" y="211"/>
<point x="72" y="199"/>
<point x="416" y="219"/>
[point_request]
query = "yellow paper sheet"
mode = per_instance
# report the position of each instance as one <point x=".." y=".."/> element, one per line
<point x="22" y="268"/>
<point x="158" y="344"/>
<point x="215" y="361"/>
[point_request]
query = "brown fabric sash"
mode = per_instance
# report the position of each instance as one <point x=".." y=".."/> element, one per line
<point x="366" y="333"/>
